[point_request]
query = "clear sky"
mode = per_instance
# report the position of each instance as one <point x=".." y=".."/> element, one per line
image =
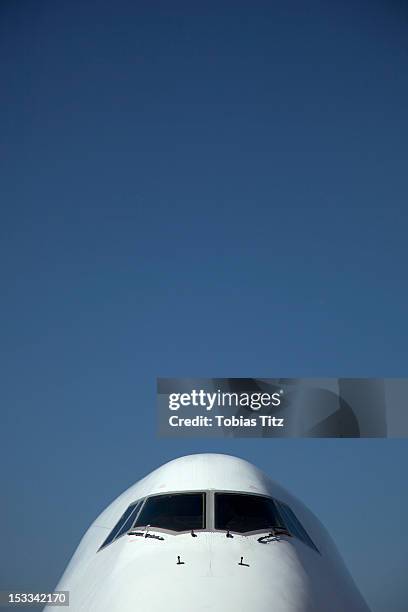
<point x="193" y="189"/>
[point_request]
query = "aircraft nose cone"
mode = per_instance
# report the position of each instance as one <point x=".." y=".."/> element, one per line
<point x="214" y="595"/>
<point x="221" y="579"/>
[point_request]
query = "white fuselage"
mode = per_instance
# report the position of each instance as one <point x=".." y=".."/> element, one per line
<point x="206" y="570"/>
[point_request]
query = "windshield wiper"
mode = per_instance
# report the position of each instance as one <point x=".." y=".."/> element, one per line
<point x="145" y="534"/>
<point x="273" y="535"/>
<point x="281" y="530"/>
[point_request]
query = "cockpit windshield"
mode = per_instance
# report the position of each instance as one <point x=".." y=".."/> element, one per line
<point x="176" y="512"/>
<point x="236" y="512"/>
<point x="241" y="512"/>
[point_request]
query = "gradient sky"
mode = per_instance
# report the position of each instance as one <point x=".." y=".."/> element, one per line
<point x="197" y="190"/>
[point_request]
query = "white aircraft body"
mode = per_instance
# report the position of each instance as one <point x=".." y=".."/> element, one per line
<point x="208" y="533"/>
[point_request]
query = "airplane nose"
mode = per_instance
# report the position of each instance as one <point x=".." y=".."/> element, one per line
<point x="214" y="594"/>
<point x="222" y="579"/>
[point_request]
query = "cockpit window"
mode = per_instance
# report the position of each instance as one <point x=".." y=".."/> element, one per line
<point x="124" y="523"/>
<point x="294" y="525"/>
<point x="241" y="512"/>
<point x="176" y="512"/>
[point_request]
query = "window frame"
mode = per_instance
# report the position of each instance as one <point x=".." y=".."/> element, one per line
<point x="244" y="494"/>
<point x="298" y="531"/>
<point x="208" y="497"/>
<point x="204" y="495"/>
<point x="307" y="540"/>
<point x="121" y="521"/>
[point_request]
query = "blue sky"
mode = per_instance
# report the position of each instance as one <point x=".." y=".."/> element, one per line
<point x="197" y="191"/>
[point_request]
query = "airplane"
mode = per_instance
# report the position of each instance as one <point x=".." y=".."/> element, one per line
<point x="208" y="533"/>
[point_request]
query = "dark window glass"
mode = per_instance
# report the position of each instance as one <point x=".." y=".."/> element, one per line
<point x="128" y="514"/>
<point x="294" y="525"/>
<point x="177" y="512"/>
<point x="237" y="512"/>
<point x="127" y="524"/>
